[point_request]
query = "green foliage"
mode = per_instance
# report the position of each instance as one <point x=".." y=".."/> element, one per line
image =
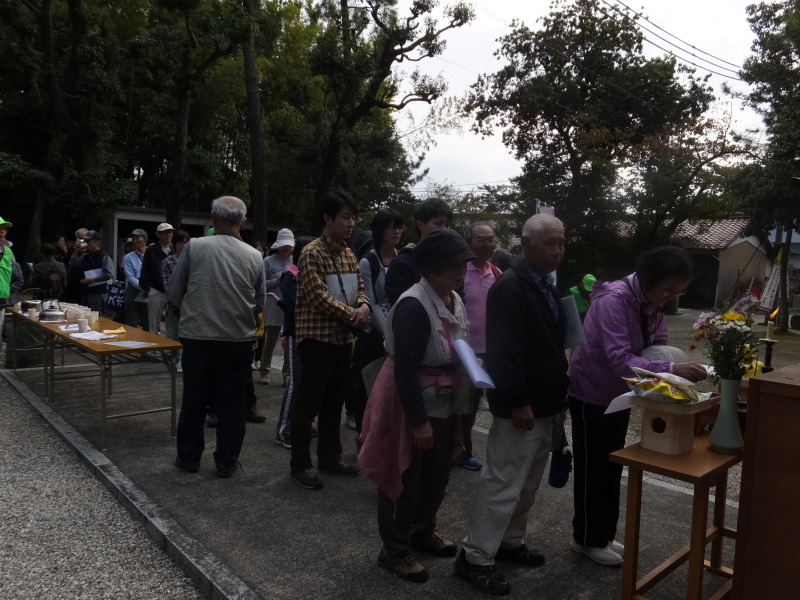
<point x="605" y="133"/>
<point x="766" y="189"/>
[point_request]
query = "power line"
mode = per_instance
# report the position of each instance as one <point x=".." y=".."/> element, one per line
<point x="670" y="52"/>
<point x="650" y="31"/>
<point x="679" y="39"/>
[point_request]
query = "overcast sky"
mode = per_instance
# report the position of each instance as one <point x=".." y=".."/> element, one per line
<point x="716" y="27"/>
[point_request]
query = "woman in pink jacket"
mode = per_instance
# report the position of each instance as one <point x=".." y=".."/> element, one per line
<point x="624" y="318"/>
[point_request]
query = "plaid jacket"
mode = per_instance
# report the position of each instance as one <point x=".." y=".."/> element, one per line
<point x="318" y="315"/>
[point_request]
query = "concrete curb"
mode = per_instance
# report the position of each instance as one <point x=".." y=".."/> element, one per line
<point x="210" y="575"/>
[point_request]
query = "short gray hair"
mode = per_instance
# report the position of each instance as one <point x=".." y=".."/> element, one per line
<point x="536" y="225"/>
<point x="472" y="226"/>
<point x="230" y="209"/>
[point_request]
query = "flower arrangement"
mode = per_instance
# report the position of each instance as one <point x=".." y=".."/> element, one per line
<point x="728" y="341"/>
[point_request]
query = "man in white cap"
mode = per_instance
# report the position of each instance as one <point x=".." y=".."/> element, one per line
<point x="150" y="277"/>
<point x="274" y="266"/>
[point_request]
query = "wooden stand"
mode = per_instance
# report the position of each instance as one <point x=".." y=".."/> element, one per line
<point x="703" y="468"/>
<point x="766" y="564"/>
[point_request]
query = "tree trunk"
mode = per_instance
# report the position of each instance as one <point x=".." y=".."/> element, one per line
<point x="258" y="183"/>
<point x="175" y="200"/>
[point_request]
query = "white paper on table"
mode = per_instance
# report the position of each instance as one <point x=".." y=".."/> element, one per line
<point x="95" y="274"/>
<point x="574" y="328"/>
<point x="480" y="378"/>
<point x="130" y="344"/>
<point x="92" y="336"/>
<point x="73" y="327"/>
<point x="620" y="403"/>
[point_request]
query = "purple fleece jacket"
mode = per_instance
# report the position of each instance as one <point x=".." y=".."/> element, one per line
<point x="613" y="342"/>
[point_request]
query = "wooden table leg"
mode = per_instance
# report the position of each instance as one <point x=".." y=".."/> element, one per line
<point x="173" y="393"/>
<point x="630" y="564"/>
<point x="103" y="391"/>
<point x="697" y="542"/>
<point x="720" y="495"/>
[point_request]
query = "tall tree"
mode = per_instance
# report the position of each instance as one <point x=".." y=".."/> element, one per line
<point x="774" y="74"/>
<point x="354" y="56"/>
<point x="573" y="98"/>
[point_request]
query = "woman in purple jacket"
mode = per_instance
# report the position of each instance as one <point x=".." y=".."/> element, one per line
<point x="624" y="318"/>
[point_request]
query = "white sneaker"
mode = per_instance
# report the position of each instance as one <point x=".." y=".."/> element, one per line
<point x="179" y="367"/>
<point x="256" y="365"/>
<point x="604" y="556"/>
<point x="617" y="547"/>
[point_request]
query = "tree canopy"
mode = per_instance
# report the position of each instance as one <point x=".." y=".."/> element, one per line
<point x="606" y="135"/>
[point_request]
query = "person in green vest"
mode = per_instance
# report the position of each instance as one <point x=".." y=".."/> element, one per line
<point x="581" y="294"/>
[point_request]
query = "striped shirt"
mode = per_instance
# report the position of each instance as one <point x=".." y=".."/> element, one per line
<point x="318" y="315"/>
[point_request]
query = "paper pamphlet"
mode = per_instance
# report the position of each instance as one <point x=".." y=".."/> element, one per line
<point x="92" y="336"/>
<point x="574" y="328"/>
<point x="343" y="288"/>
<point x="620" y="403"/>
<point x="95" y="274"/>
<point x="130" y="344"/>
<point x="480" y="378"/>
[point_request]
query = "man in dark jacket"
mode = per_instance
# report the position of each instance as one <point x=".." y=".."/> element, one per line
<point x="403" y="272"/>
<point x="150" y="278"/>
<point x="525" y="357"/>
<point x="97" y="268"/>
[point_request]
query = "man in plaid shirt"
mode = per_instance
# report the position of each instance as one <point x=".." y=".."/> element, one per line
<point x="331" y="305"/>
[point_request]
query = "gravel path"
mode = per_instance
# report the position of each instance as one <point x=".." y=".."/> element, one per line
<point x="62" y="535"/>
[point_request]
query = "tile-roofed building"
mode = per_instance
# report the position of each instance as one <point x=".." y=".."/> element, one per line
<point x="711" y="234"/>
<point x="726" y="262"/>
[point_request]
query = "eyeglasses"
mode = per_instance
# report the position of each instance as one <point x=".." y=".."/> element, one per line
<point x="484" y="241"/>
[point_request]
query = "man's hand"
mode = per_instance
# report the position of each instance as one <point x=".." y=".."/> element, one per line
<point x="422" y="436"/>
<point x="522" y="418"/>
<point x="273" y="295"/>
<point x="361" y="317"/>
<point x="689" y="370"/>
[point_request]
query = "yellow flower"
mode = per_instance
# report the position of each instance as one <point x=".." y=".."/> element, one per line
<point x="733" y="316"/>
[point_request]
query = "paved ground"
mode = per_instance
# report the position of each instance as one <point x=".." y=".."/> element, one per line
<point x="256" y="534"/>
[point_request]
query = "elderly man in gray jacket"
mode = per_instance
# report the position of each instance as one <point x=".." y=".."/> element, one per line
<point x="218" y="284"/>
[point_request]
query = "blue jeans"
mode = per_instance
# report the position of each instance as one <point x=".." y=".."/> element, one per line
<point x="214" y="374"/>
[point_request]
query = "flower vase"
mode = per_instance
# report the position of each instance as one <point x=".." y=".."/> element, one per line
<point x="726" y="436"/>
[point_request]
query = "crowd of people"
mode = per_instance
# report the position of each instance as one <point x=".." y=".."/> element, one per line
<point x="376" y="330"/>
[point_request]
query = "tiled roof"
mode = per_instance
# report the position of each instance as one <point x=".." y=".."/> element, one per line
<point x="710" y="234"/>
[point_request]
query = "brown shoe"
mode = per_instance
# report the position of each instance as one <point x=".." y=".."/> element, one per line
<point x="404" y="565"/>
<point x="435" y="543"/>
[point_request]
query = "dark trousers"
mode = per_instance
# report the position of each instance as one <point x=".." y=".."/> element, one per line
<point x="135" y="312"/>
<point x="321" y="394"/>
<point x="595" y="435"/>
<point x="214" y="374"/>
<point x="413" y="514"/>
<point x="284" y="427"/>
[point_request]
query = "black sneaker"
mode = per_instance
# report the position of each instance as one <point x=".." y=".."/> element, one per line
<point x="307" y="478"/>
<point x="253" y="416"/>
<point x="212" y="420"/>
<point x="521" y="555"/>
<point x="225" y="471"/>
<point x="486" y="579"/>
<point x="339" y="468"/>
<point x="189" y="467"/>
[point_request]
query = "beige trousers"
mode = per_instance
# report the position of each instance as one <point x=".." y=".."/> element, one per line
<point x="515" y="463"/>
